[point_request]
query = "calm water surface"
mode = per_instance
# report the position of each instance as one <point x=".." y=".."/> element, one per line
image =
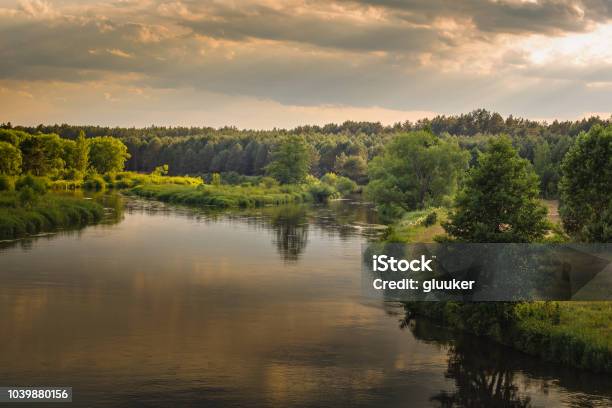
<point x="172" y="307"/>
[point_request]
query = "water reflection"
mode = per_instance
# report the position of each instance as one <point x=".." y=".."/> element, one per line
<point x="290" y="225"/>
<point x="487" y="374"/>
<point x="181" y="307"/>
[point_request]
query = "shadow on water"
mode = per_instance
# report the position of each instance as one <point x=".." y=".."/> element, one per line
<point x="487" y="374"/>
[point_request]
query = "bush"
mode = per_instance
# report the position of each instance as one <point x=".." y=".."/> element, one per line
<point x="268" y="182"/>
<point x="344" y="185"/>
<point x="216" y="179"/>
<point x="7" y="183"/>
<point x="72" y="174"/>
<point x="94" y="182"/>
<point x="322" y="192"/>
<point x="27" y="196"/>
<point x="39" y="185"/>
<point x="431" y="219"/>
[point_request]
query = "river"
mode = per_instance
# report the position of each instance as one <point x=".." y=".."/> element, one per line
<point x="176" y="307"/>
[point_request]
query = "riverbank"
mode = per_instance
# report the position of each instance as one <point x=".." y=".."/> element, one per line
<point x="46" y="213"/>
<point x="227" y="196"/>
<point x="576" y="334"/>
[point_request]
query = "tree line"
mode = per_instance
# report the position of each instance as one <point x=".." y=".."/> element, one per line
<point x="344" y="149"/>
<point x="51" y="156"/>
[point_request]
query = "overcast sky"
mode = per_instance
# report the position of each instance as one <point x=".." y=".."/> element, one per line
<point x="261" y="64"/>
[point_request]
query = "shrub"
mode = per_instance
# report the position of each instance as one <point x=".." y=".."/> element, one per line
<point x="268" y="182"/>
<point x="72" y="174"/>
<point x="216" y="179"/>
<point x="27" y="196"/>
<point x="322" y="192"/>
<point x="7" y="183"/>
<point x="344" y="185"/>
<point x="94" y="182"/>
<point x="431" y="219"/>
<point x="39" y="185"/>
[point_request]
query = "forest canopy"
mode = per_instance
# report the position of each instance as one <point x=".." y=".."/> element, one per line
<point x="344" y="149"/>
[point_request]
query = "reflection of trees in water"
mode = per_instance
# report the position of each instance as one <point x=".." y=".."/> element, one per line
<point x="489" y="374"/>
<point x="482" y="380"/>
<point x="484" y="376"/>
<point x="290" y="226"/>
<point x="289" y="223"/>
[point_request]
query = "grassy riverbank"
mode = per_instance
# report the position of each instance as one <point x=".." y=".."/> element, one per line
<point x="223" y="196"/>
<point x="576" y="334"/>
<point x="46" y="213"/>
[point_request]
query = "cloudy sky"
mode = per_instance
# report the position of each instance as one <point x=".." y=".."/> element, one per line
<point x="264" y="63"/>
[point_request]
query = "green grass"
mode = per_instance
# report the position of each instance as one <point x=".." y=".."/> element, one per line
<point x="224" y="196"/>
<point x="572" y="333"/>
<point x="122" y="180"/>
<point x="50" y="213"/>
<point x="411" y="227"/>
<point x="577" y="334"/>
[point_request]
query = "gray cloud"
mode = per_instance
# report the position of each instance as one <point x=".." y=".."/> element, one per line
<point x="507" y="16"/>
<point x="432" y="55"/>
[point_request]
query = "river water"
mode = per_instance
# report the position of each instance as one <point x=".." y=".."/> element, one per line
<point x="168" y="307"/>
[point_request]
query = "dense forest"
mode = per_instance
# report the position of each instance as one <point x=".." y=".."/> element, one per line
<point x="343" y="149"/>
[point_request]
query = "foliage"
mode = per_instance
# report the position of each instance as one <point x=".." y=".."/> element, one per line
<point x="344" y="185"/>
<point x="94" y="182"/>
<point x="499" y="202"/>
<point x="410" y="226"/>
<point x="415" y="170"/>
<point x="586" y="187"/>
<point x="80" y="155"/>
<point x="107" y="154"/>
<point x="45" y="214"/>
<point x="216" y="179"/>
<point x="291" y="161"/>
<point x="10" y="159"/>
<point x="572" y="333"/>
<point x="42" y="154"/>
<point x="160" y="170"/>
<point x="7" y="183"/>
<point x="223" y="196"/>
<point x="353" y="167"/>
<point x="39" y="185"/>
<point x="321" y="192"/>
<point x="28" y="197"/>
<point x="430" y="219"/>
<point x="342" y="148"/>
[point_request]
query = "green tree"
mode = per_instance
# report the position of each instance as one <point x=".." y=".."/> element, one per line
<point x="586" y="186"/>
<point x="107" y="154"/>
<point x="499" y="202"/>
<point x="10" y="159"/>
<point x="216" y="179"/>
<point x="353" y="167"/>
<point x="81" y="153"/>
<point x="291" y="161"/>
<point x="42" y="154"/>
<point x="415" y="170"/>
